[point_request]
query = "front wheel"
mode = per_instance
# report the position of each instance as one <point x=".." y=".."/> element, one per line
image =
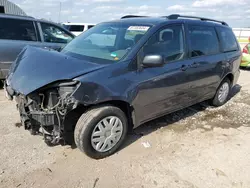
<point x="222" y="93"/>
<point x="1" y="84"/>
<point x="100" y="131"/>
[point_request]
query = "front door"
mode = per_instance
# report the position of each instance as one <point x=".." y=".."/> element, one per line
<point x="53" y="36"/>
<point x="163" y="89"/>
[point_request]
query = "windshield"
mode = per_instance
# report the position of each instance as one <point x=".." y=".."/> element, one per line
<point x="106" y="43"/>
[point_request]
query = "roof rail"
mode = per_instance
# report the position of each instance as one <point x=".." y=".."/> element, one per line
<point x="176" y="16"/>
<point x="132" y="16"/>
<point x="24" y="16"/>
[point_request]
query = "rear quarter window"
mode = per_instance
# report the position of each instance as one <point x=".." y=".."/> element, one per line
<point x="228" y="39"/>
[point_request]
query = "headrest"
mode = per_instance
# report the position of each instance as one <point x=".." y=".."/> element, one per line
<point x="138" y="37"/>
<point x="167" y="35"/>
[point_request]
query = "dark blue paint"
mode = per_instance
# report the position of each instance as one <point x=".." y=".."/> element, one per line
<point x="150" y="92"/>
<point x="36" y="67"/>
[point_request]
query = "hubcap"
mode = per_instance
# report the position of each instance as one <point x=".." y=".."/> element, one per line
<point x="106" y="134"/>
<point x="223" y="92"/>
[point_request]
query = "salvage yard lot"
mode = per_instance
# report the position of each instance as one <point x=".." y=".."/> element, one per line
<point x="197" y="147"/>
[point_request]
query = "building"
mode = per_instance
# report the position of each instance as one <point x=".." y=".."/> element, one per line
<point x="7" y="7"/>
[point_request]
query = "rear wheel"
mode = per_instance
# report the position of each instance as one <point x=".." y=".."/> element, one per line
<point x="222" y="93"/>
<point x="100" y="131"/>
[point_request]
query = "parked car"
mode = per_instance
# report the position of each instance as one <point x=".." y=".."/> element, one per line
<point x="140" y="68"/>
<point x="78" y="28"/>
<point x="18" y="31"/>
<point x="245" y="62"/>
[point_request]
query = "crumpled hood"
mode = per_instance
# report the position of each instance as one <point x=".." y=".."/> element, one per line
<point x="35" y="68"/>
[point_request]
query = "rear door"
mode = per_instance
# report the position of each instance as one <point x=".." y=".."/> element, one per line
<point x="54" y="37"/>
<point x="15" y="34"/>
<point x="205" y="68"/>
<point x="231" y="50"/>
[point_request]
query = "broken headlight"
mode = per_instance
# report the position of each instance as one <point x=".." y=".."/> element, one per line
<point x="67" y="88"/>
<point x="58" y="94"/>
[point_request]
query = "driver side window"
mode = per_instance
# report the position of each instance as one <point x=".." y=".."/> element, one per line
<point x="168" y="42"/>
<point x="53" y="34"/>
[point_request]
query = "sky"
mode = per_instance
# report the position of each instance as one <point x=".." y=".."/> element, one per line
<point x="235" y="12"/>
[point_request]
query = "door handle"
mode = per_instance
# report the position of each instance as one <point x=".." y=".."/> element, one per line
<point x="194" y="65"/>
<point x="184" y="67"/>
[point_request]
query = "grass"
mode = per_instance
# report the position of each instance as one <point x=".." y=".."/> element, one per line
<point x="243" y="40"/>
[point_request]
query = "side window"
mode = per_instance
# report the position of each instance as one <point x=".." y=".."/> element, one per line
<point x="76" y="28"/>
<point x="90" y="26"/>
<point x="203" y="41"/>
<point x="54" y="34"/>
<point x="15" y="29"/>
<point x="228" y="39"/>
<point x="168" y="42"/>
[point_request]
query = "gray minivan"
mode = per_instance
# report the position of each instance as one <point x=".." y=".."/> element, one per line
<point x="18" y="31"/>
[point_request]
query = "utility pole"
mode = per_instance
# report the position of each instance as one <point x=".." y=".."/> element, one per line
<point x="60" y="9"/>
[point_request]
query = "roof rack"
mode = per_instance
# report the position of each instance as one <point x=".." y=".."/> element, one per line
<point x="132" y="16"/>
<point x="24" y="16"/>
<point x="176" y="16"/>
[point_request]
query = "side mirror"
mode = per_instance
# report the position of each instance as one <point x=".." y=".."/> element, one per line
<point x="152" y="61"/>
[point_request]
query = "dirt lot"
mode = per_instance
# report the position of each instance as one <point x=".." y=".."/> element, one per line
<point x="196" y="147"/>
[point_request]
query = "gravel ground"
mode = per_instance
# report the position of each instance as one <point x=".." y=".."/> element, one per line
<point x="200" y="146"/>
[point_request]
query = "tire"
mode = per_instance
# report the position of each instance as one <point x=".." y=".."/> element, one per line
<point x="88" y="124"/>
<point x="217" y="101"/>
<point x="1" y="84"/>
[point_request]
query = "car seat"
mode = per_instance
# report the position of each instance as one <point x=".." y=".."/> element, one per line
<point x="138" y="37"/>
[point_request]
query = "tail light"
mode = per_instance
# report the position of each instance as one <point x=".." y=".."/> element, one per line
<point x="245" y="49"/>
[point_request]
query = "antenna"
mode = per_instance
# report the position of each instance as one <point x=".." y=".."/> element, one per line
<point x="60" y="9"/>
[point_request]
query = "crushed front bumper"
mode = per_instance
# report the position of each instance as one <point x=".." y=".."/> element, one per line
<point x="31" y="118"/>
<point x="44" y="112"/>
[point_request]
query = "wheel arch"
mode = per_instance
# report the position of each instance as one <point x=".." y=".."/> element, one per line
<point x="124" y="106"/>
<point x="230" y="76"/>
<point x="72" y="117"/>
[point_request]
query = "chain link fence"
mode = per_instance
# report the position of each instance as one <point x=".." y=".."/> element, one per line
<point x="242" y="34"/>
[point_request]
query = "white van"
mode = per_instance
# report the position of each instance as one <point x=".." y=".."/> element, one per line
<point x="78" y="28"/>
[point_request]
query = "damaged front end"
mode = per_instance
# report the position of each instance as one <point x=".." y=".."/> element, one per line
<point x="44" y="111"/>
